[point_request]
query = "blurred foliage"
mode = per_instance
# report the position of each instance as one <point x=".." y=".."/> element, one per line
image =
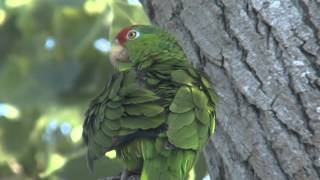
<point x="54" y="60"/>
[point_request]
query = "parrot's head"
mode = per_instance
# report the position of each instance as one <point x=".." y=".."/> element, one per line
<point x="142" y="43"/>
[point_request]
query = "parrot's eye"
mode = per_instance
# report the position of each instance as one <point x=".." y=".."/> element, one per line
<point x="132" y="34"/>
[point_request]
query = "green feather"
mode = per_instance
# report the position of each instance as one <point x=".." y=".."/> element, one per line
<point x="128" y="88"/>
<point x="178" y="120"/>
<point x="212" y="94"/>
<point x="99" y="117"/>
<point x="114" y="114"/>
<point x="153" y="81"/>
<point x="203" y="115"/>
<point x="140" y="99"/>
<point x="185" y="137"/>
<point x="114" y="104"/>
<point x="140" y="122"/>
<point x="116" y="86"/>
<point x="106" y="129"/>
<point x="138" y="92"/>
<point x="181" y="76"/>
<point x="101" y="139"/>
<point x="112" y="125"/>
<point x="162" y="109"/>
<point x="124" y="66"/>
<point x="95" y="150"/>
<point x="213" y="123"/>
<point x="125" y="131"/>
<point x="182" y="102"/>
<point x="203" y="133"/>
<point x="200" y="99"/>
<point x="148" y="110"/>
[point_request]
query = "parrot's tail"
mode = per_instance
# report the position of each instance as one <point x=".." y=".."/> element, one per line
<point x="158" y="162"/>
<point x="174" y="167"/>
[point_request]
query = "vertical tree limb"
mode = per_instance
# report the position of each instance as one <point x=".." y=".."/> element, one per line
<point x="263" y="57"/>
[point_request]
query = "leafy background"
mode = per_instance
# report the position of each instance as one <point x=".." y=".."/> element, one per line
<point x="53" y="61"/>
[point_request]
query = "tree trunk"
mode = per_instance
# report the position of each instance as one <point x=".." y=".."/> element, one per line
<point x="263" y="57"/>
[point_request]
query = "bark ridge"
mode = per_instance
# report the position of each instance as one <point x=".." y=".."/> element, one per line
<point x="263" y="57"/>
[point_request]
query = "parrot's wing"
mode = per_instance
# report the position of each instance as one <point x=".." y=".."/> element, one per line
<point x="123" y="109"/>
<point x="192" y="115"/>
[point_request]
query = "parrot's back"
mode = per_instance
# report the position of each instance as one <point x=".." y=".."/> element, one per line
<point x="157" y="120"/>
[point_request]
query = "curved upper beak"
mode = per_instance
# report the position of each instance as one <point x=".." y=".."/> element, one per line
<point x="118" y="54"/>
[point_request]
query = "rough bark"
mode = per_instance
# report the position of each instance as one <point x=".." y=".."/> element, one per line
<point x="263" y="57"/>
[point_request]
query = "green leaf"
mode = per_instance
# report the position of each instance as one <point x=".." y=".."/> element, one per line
<point x="181" y="76"/>
<point x="178" y="120"/>
<point x="183" y="101"/>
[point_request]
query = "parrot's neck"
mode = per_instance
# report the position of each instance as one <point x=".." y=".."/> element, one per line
<point x="165" y="60"/>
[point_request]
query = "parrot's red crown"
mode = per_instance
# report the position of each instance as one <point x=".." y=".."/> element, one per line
<point x="122" y="36"/>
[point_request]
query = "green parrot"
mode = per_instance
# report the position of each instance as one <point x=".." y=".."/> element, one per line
<point x="157" y="111"/>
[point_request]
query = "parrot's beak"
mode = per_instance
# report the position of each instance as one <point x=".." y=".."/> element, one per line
<point x="118" y="54"/>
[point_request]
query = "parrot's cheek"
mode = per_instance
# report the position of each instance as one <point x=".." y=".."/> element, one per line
<point x="118" y="54"/>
